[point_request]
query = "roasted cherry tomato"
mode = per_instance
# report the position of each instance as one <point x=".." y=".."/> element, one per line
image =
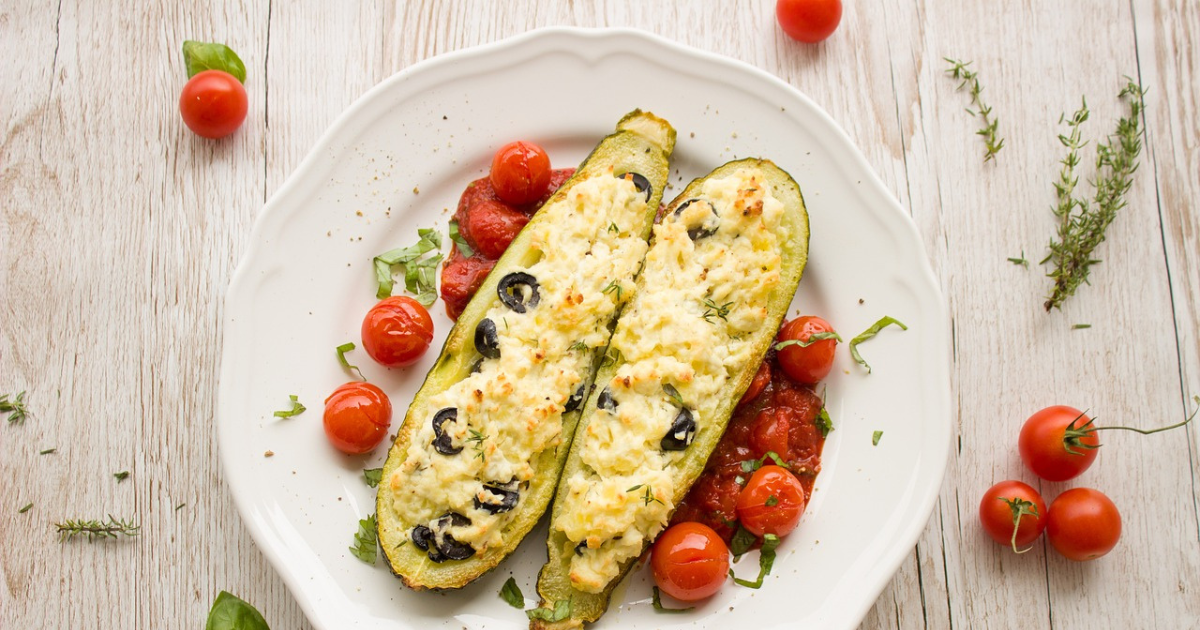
<point x="213" y="104"/>
<point x="1013" y="514"/>
<point x="1083" y="524"/>
<point x="758" y="383"/>
<point x="1048" y="450"/>
<point x="397" y="331"/>
<point x="520" y="172"/>
<point x="357" y="417"/>
<point x="461" y="278"/>
<point x="689" y="561"/>
<point x="808" y="21"/>
<point x="771" y="431"/>
<point x="806" y="364"/>
<point x="492" y="226"/>
<point x="771" y="502"/>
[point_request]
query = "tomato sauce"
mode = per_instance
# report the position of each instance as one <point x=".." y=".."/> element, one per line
<point x="488" y="225"/>
<point x="782" y="418"/>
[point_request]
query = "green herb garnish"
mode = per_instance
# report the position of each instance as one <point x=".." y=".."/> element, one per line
<point x="657" y="603"/>
<point x="813" y="338"/>
<point x="1080" y="326"/>
<point x="673" y="393"/>
<point x="1019" y="261"/>
<point x="824" y="422"/>
<point x="478" y="438"/>
<point x="457" y="238"/>
<point x="970" y="79"/>
<point x="578" y="345"/>
<point x="613" y="286"/>
<point x="48" y="451"/>
<point x="296" y="409"/>
<point x="121" y="476"/>
<point x="365" y="542"/>
<point x="766" y="560"/>
<point x="751" y="465"/>
<point x="28" y="506"/>
<point x="346" y="365"/>
<point x="741" y="542"/>
<point x="93" y="529"/>
<point x="201" y="56"/>
<point x="419" y="270"/>
<point x="771" y="501"/>
<point x="875" y="438"/>
<point x="511" y="593"/>
<point x="883" y="322"/>
<point x="232" y="613"/>
<point x="373" y="476"/>
<point x="712" y="309"/>
<point x="15" y="408"/>
<point x="561" y="610"/>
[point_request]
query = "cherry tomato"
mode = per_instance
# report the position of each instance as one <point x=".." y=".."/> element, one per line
<point x="397" y="331"/>
<point x="213" y="104"/>
<point x="357" y="417"/>
<point x="770" y="432"/>
<point x="1083" y="524"/>
<point x="689" y="561"/>
<point x="808" y="21"/>
<point x="520" y="172"/>
<point x="492" y="226"/>
<point x="806" y="364"/>
<point x="771" y="502"/>
<point x="1044" y="443"/>
<point x="1010" y="501"/>
<point x="760" y="380"/>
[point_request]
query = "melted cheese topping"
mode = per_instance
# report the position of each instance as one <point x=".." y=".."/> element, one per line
<point x="511" y="410"/>
<point x="688" y="326"/>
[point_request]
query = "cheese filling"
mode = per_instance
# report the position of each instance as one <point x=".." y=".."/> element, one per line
<point x="510" y="410"/>
<point x="705" y="286"/>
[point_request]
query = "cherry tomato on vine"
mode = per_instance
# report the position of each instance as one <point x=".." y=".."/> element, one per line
<point x="1054" y="449"/>
<point x="689" y="561"/>
<point x="1083" y="524"/>
<point x="806" y="364"/>
<point x="520" y="172"/>
<point x="808" y="21"/>
<point x="492" y="225"/>
<point x="1013" y="514"/>
<point x="757" y="384"/>
<point x="357" y="417"/>
<point x="213" y="104"/>
<point x="397" y="331"/>
<point x="771" y="503"/>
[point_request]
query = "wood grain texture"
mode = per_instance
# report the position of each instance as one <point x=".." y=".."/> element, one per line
<point x="119" y="231"/>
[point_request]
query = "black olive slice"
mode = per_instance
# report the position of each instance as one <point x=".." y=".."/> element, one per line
<point x="639" y="182"/>
<point x="512" y="291"/>
<point x="681" y="433"/>
<point x="580" y="547"/>
<point x="487" y="342"/>
<point x="442" y="442"/>
<point x="707" y="227"/>
<point x="606" y="401"/>
<point x="574" y="401"/>
<point x="502" y="498"/>
<point x="421" y="537"/>
<point x="445" y="546"/>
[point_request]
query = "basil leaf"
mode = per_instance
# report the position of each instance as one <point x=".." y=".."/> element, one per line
<point x="420" y="279"/>
<point x="657" y="602"/>
<point x="771" y="501"/>
<point x="296" y="409"/>
<point x="562" y="610"/>
<point x="231" y="613"/>
<point x="875" y="438"/>
<point x="459" y="241"/>
<point x="766" y="560"/>
<point x="883" y="322"/>
<point x="201" y="56"/>
<point x="341" y="352"/>
<point x="742" y="541"/>
<point x="824" y="422"/>
<point x="751" y="465"/>
<point x="365" y="542"/>
<point x="430" y="240"/>
<point x="511" y="593"/>
<point x="373" y="476"/>
<point x="813" y="338"/>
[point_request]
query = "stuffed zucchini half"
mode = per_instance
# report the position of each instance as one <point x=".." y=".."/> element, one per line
<point x="722" y="269"/>
<point x="476" y="461"/>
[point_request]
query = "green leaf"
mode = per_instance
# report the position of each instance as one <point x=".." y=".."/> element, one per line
<point x="346" y="365"/>
<point x="824" y="422"/>
<point x="751" y="465"/>
<point x="511" y="593"/>
<point x="232" y="613"/>
<point x="296" y="409"/>
<point x="373" y="476"/>
<point x="673" y="393"/>
<point x="459" y="241"/>
<point x="813" y="338"/>
<point x="121" y="476"/>
<point x="562" y="610"/>
<point x="883" y="322"/>
<point x="772" y="501"/>
<point x="742" y="541"/>
<point x="365" y="542"/>
<point x="201" y="56"/>
<point x="418" y="281"/>
<point x="657" y="602"/>
<point x="25" y="509"/>
<point x="47" y="451"/>
<point x="766" y="560"/>
<point x="875" y="438"/>
<point x="15" y="408"/>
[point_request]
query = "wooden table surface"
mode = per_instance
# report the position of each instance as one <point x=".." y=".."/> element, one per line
<point x="119" y="231"/>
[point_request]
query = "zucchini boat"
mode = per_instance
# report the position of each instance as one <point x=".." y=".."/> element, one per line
<point x="722" y="269"/>
<point x="476" y="461"/>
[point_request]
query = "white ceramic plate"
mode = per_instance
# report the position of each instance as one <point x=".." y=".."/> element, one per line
<point x="307" y="280"/>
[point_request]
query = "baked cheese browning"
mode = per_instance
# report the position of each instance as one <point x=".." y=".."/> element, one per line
<point x="474" y="461"/>
<point x="704" y="288"/>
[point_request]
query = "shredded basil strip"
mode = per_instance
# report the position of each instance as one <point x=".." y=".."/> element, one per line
<point x="766" y="560"/>
<point x="742" y="541"/>
<point x="296" y="409"/>
<point x="373" y="476"/>
<point x="813" y="338"/>
<point x="346" y="365"/>
<point x="457" y="238"/>
<point x="657" y="601"/>
<point x="751" y="465"/>
<point x="824" y="422"/>
<point x="511" y="593"/>
<point x="201" y="56"/>
<point x="875" y="438"/>
<point x="420" y="276"/>
<point x="232" y="613"/>
<point x="365" y="541"/>
<point x="562" y="610"/>
<point x="883" y="322"/>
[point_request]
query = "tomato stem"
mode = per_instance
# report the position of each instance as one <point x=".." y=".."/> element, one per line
<point x="1072" y="436"/>
<point x="1020" y="508"/>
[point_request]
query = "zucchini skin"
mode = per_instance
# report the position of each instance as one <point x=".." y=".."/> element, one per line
<point x="553" y="581"/>
<point x="641" y="144"/>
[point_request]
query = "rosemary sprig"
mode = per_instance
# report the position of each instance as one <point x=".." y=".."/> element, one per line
<point x="15" y="408"/>
<point x="93" y="529"/>
<point x="1082" y="224"/>
<point x="970" y="79"/>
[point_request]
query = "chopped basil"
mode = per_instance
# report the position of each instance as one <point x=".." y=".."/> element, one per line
<point x="562" y="610"/>
<point x="742" y="541"/>
<point x="296" y="409"/>
<point x="511" y="593"/>
<point x="875" y="438"/>
<point x="766" y="560"/>
<point x="459" y="241"/>
<point x="121" y="476"/>
<point x="813" y="338"/>
<point x="657" y="602"/>
<point x="824" y="422"/>
<point x="883" y="322"/>
<point x="772" y="501"/>
<point x="673" y="393"/>
<point x="373" y="476"/>
<point x="419" y="273"/>
<point x="365" y="541"/>
<point x="341" y="354"/>
<point x="751" y="465"/>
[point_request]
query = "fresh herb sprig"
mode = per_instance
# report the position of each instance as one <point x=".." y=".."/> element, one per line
<point x="15" y="408"/>
<point x="296" y="409"/>
<point x="647" y="496"/>
<point x="365" y="541"/>
<point x="478" y="437"/>
<point x="1082" y="224"/>
<point x="93" y="529"/>
<point x="970" y="79"/>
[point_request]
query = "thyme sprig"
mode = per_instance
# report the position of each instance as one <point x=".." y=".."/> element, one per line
<point x="478" y="437"/>
<point x="93" y="529"/>
<point x="970" y="79"/>
<point x="1082" y="224"/>
<point x="712" y="309"/>
<point x="15" y="408"/>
